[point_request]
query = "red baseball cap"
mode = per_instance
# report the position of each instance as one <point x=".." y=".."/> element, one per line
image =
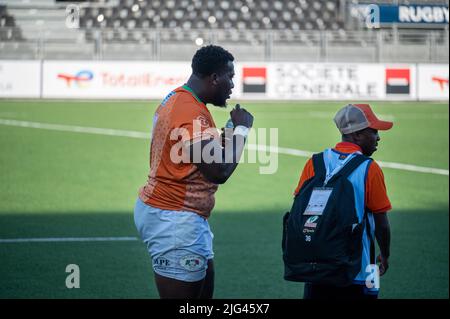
<point x="356" y="117"/>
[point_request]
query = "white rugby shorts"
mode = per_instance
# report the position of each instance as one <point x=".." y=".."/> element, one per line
<point x="179" y="242"/>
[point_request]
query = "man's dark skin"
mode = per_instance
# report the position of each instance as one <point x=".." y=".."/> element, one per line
<point x="214" y="89"/>
<point x="368" y="139"/>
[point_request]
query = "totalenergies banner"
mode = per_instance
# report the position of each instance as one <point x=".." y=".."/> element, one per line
<point x="127" y="80"/>
<point x="433" y="81"/>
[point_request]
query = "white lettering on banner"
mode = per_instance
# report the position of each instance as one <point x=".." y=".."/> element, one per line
<point x="421" y="14"/>
<point x="403" y="14"/>
<point x="445" y="11"/>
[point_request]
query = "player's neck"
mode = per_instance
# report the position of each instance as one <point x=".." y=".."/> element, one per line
<point x="196" y="85"/>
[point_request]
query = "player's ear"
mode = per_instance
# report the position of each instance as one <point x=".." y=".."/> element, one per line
<point x="214" y="78"/>
<point x="358" y="136"/>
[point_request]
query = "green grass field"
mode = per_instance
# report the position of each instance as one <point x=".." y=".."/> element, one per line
<point x="56" y="183"/>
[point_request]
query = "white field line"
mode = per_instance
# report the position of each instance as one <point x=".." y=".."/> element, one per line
<point x="300" y="153"/>
<point x="413" y="168"/>
<point x="66" y="239"/>
<point x="75" y="129"/>
<point x="262" y="148"/>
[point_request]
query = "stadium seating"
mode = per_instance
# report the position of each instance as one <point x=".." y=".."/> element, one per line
<point x="8" y="31"/>
<point x="186" y="15"/>
<point x="400" y="2"/>
<point x="298" y="30"/>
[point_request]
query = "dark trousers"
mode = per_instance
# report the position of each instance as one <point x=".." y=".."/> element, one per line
<point x="322" y="292"/>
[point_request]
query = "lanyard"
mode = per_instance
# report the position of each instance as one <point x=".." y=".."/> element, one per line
<point x="339" y="166"/>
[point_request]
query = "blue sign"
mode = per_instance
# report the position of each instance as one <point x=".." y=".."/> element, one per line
<point x="407" y="14"/>
<point x="422" y="14"/>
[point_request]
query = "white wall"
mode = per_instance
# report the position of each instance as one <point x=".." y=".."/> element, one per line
<point x="20" y="79"/>
<point x="258" y="80"/>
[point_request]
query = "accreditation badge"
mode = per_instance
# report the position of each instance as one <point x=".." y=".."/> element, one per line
<point x="318" y="201"/>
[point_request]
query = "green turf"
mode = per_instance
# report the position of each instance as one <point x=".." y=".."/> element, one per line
<point x="63" y="184"/>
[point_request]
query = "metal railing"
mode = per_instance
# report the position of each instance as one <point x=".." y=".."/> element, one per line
<point x="382" y="45"/>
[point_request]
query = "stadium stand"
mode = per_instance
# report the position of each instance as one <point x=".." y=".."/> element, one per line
<point x="8" y="31"/>
<point x="217" y="14"/>
<point x="297" y="30"/>
<point x="400" y="2"/>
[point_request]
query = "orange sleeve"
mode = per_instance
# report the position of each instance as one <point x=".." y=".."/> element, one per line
<point x="377" y="200"/>
<point x="307" y="173"/>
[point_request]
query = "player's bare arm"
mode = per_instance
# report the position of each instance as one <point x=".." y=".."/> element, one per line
<point x="218" y="172"/>
<point x="383" y="236"/>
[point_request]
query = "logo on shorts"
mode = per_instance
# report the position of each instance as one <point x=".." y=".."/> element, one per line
<point x="161" y="262"/>
<point x="191" y="262"/>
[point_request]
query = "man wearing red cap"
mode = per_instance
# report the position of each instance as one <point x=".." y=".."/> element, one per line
<point x="359" y="127"/>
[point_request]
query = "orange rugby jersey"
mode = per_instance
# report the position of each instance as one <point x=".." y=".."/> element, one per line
<point x="176" y="185"/>
<point x="376" y="197"/>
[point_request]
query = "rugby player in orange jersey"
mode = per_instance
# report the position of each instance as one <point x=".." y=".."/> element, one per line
<point x="173" y="207"/>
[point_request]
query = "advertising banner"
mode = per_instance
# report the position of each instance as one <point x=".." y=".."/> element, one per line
<point x="127" y="80"/>
<point x="402" y="15"/>
<point x="326" y="81"/>
<point x="20" y="79"/>
<point x="433" y="81"/>
<point x="252" y="81"/>
<point x="426" y="14"/>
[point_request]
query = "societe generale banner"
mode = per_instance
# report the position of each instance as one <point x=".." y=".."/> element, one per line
<point x="326" y="81"/>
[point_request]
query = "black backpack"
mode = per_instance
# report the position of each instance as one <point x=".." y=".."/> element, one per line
<point x="326" y="248"/>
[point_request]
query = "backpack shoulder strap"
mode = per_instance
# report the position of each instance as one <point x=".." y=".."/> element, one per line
<point x="319" y="165"/>
<point x="354" y="163"/>
<point x="369" y="234"/>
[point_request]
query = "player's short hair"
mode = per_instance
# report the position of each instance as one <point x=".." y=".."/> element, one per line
<point x="210" y="59"/>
